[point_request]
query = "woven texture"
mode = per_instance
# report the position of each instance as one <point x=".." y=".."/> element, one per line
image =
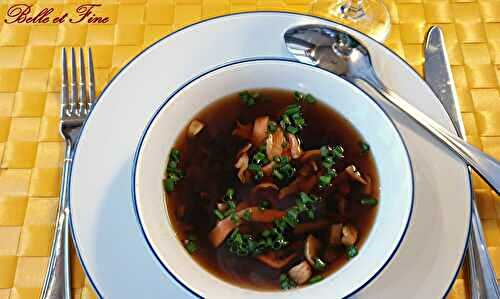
<point x="31" y="150"/>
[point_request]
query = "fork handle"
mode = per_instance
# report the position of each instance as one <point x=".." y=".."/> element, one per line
<point x="57" y="284"/>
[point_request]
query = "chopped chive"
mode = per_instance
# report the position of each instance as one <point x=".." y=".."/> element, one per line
<point x="351" y="251"/>
<point x="365" y="147"/>
<point x="369" y="201"/>
<point x="265" y="204"/>
<point x="286" y="283"/>
<point x="272" y="127"/>
<point x="192" y="237"/>
<point x="292" y="109"/>
<point x="324" y="150"/>
<point x="247" y="216"/>
<point x="191" y="246"/>
<point x="311" y="214"/>
<point x="315" y="279"/>
<point x="319" y="264"/>
<point x="292" y="130"/>
<point x="250" y="99"/>
<point x="278" y="175"/>
<point x="325" y="180"/>
<point x="219" y="214"/>
<point x="169" y="185"/>
<point x="229" y="193"/>
<point x="310" y="99"/>
<point x="231" y="204"/>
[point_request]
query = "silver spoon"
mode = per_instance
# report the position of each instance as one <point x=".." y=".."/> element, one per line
<point x="341" y="54"/>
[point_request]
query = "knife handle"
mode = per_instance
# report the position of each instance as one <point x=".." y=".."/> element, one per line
<point x="485" y="165"/>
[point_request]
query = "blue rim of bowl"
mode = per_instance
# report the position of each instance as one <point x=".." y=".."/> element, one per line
<point x="384" y="48"/>
<point x="243" y="61"/>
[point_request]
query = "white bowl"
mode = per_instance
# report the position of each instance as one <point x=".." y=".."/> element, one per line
<point x="391" y="158"/>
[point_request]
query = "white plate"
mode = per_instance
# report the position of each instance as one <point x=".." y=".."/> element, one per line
<point x="108" y="239"/>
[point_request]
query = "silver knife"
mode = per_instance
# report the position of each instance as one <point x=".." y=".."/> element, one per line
<point x="482" y="277"/>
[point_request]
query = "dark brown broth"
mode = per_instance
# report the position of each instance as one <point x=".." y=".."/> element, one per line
<point x="208" y="160"/>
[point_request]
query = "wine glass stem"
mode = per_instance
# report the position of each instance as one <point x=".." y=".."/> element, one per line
<point x="352" y="9"/>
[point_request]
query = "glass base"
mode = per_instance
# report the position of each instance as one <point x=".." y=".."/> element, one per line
<point x="368" y="16"/>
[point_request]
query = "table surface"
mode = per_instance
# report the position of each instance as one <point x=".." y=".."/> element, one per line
<point x="31" y="149"/>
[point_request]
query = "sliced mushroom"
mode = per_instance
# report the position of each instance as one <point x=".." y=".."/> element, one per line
<point x="354" y="174"/>
<point x="311" y="249"/>
<point x="194" y="128"/>
<point x="242" y="166"/>
<point x="244" y="149"/>
<point x="335" y="234"/>
<point x="294" y="143"/>
<point x="272" y="260"/>
<point x="311" y="154"/>
<point x="349" y="235"/>
<point x="265" y="185"/>
<point x="308" y="169"/>
<point x="268" y="168"/>
<point x="260" y="130"/>
<point x="243" y="131"/>
<point x="306" y="227"/>
<point x="314" y="165"/>
<point x="341" y="205"/>
<point x="300" y="273"/>
<point x="367" y="189"/>
<point x="300" y="184"/>
<point x="274" y="144"/>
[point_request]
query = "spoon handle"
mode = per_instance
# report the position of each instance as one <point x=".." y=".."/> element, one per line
<point x="485" y="165"/>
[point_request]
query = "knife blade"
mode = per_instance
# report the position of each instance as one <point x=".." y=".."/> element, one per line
<point x="438" y="75"/>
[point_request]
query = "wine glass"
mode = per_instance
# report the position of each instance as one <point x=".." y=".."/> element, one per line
<point x="368" y="16"/>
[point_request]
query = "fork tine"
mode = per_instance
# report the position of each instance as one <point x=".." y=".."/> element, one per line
<point x="91" y="100"/>
<point x="82" y="86"/>
<point x="64" y="84"/>
<point x="74" y="95"/>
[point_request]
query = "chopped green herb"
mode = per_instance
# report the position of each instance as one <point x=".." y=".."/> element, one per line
<point x="219" y="214"/>
<point x="272" y="127"/>
<point x="329" y="156"/>
<point x="191" y="246"/>
<point x="292" y="120"/>
<point x="274" y="238"/>
<point x="247" y="216"/>
<point x="250" y="99"/>
<point x="315" y="279"/>
<point x="319" y="264"/>
<point x="286" y="282"/>
<point x="169" y="185"/>
<point x="229" y="194"/>
<point x="365" y="147"/>
<point x="265" y="204"/>
<point x="351" y="251"/>
<point x="283" y="170"/>
<point x="259" y="159"/>
<point x="308" y="98"/>
<point x="173" y="174"/>
<point x="369" y="201"/>
<point x="192" y="237"/>
<point x="325" y="181"/>
<point x="256" y="169"/>
<point x="292" y="130"/>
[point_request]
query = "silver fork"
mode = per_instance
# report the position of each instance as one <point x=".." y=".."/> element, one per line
<point x="75" y="107"/>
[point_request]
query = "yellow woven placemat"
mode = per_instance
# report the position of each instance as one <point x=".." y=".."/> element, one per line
<point x="31" y="149"/>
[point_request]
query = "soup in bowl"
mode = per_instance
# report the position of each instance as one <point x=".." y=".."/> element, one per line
<point x="268" y="176"/>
